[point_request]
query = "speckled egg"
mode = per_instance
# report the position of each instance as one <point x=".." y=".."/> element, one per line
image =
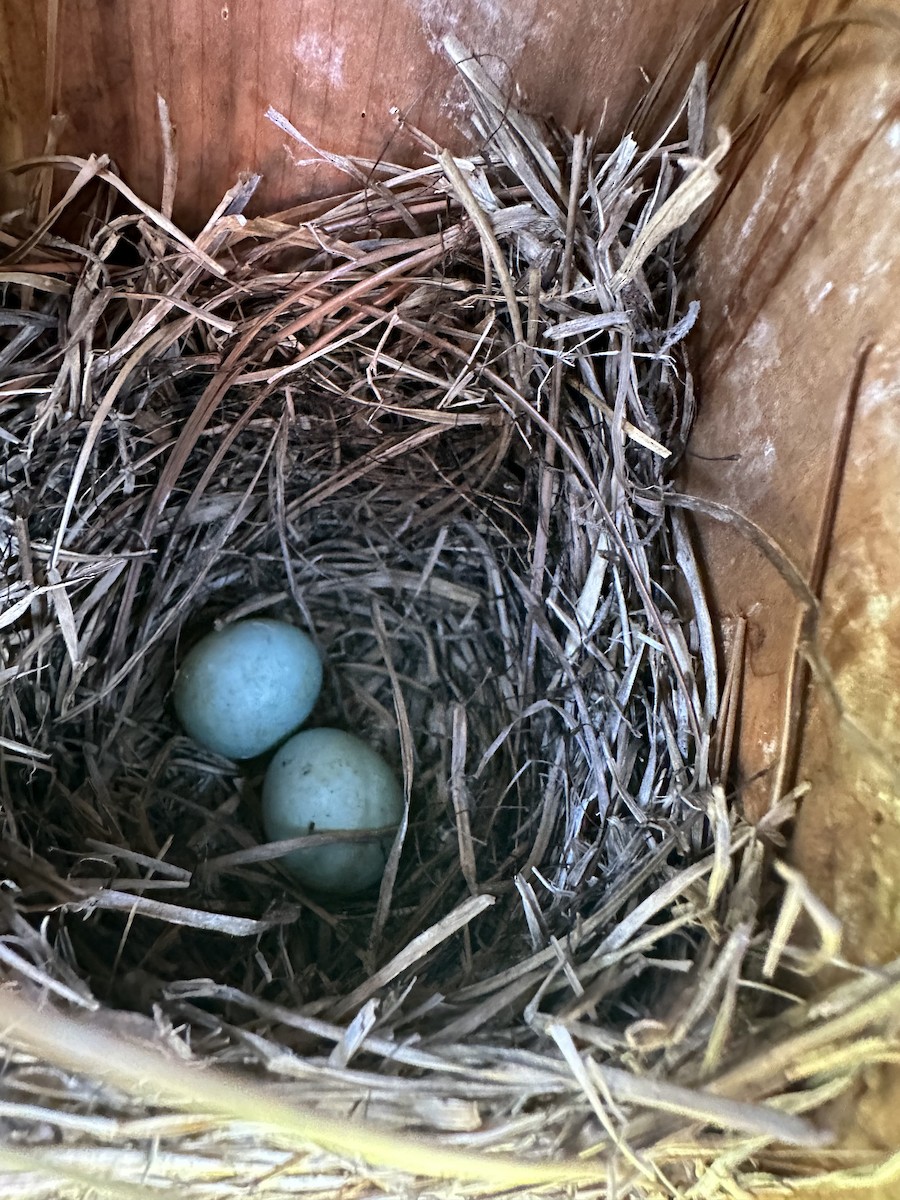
<point x="326" y="779"/>
<point x="243" y="689"/>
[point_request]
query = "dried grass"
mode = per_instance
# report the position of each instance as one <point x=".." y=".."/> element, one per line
<point x="435" y="422"/>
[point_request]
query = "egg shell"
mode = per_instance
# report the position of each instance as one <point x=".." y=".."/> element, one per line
<point x="325" y="779"/>
<point x="243" y="689"/>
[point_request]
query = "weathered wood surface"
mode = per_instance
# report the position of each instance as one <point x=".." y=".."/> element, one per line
<point x="335" y="68"/>
<point x="798" y="273"/>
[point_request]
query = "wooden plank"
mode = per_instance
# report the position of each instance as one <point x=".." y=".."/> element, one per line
<point x="334" y="67"/>
<point x="797" y="273"/>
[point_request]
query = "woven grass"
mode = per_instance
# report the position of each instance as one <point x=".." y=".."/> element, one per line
<point x="434" y="422"/>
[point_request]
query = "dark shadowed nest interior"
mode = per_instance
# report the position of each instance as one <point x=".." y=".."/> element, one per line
<point x="436" y="423"/>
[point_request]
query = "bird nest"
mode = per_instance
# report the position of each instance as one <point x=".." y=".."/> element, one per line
<point x="434" y="423"/>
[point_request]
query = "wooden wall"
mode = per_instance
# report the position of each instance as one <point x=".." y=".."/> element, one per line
<point x="798" y="274"/>
<point x="335" y="68"/>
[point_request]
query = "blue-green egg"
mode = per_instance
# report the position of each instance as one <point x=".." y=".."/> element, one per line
<point x="245" y="688"/>
<point x="323" y="780"/>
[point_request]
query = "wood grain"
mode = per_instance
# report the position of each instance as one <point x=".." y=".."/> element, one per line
<point x="796" y="273"/>
<point x="333" y="67"/>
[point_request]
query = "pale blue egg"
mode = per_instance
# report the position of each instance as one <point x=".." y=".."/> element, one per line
<point x="325" y="779"/>
<point x="243" y="689"/>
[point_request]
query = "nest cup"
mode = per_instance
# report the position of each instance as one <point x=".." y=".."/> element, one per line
<point x="435" y="424"/>
<point x="485" y="564"/>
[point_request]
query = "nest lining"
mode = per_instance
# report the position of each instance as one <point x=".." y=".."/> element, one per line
<point x="434" y="423"/>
